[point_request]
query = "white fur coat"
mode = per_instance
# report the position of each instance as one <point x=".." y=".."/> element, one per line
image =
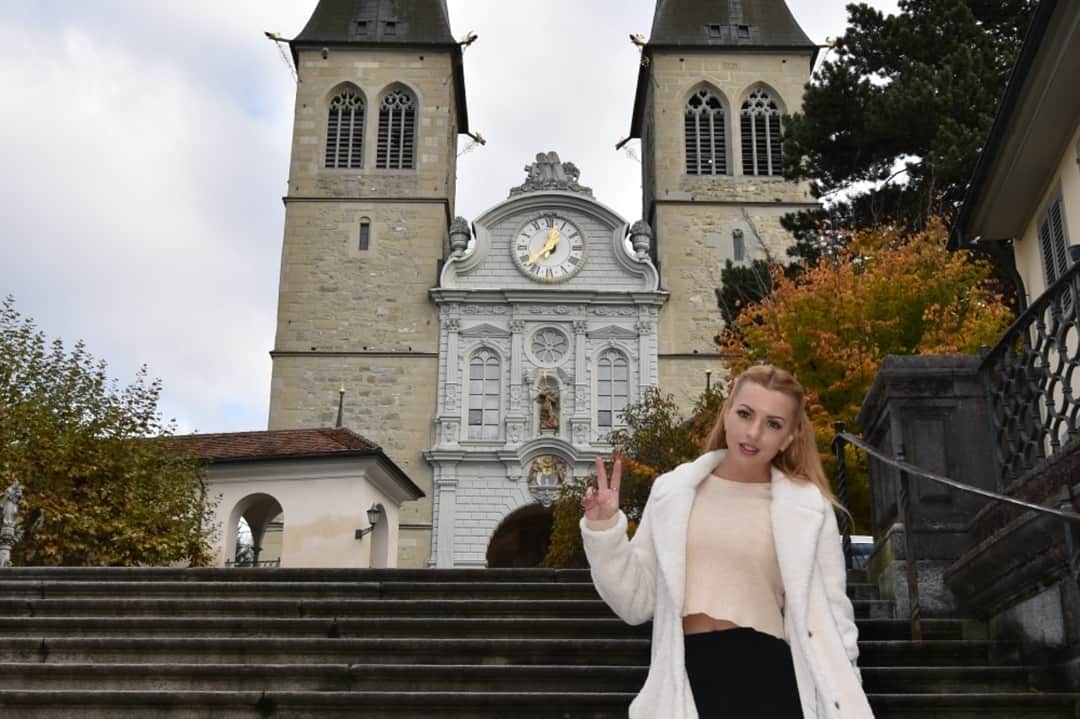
<point x="644" y="578"/>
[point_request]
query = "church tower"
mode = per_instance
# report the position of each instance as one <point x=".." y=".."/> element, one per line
<point x="380" y="101"/>
<point x="716" y="78"/>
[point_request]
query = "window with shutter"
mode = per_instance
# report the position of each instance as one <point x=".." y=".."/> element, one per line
<point x="1053" y="244"/>
<point x="706" y="134"/>
<point x="345" y="131"/>
<point x="762" y="138"/>
<point x="396" y="146"/>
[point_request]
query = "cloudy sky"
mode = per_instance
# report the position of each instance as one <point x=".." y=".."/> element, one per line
<point x="145" y="153"/>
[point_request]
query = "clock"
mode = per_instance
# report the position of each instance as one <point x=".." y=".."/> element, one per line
<point x="548" y="248"/>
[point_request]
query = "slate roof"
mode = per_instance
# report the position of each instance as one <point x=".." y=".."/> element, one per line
<point x="397" y="22"/>
<point x="726" y="23"/>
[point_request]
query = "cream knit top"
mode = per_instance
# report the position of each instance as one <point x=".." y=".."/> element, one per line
<point x="731" y="568"/>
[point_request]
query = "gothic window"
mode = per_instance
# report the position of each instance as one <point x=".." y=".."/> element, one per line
<point x="484" y="395"/>
<point x="612" y="389"/>
<point x="1053" y="243"/>
<point x="706" y="136"/>
<point x="345" y="131"/>
<point x="762" y="146"/>
<point x="396" y="148"/>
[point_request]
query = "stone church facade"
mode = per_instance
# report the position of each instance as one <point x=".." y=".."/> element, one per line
<point x="490" y="359"/>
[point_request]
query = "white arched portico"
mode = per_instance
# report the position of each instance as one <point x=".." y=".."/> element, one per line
<point x="322" y="482"/>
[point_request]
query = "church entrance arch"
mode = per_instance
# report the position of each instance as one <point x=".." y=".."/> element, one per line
<point x="521" y="539"/>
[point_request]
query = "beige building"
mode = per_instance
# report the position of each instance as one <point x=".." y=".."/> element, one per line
<point x="362" y="304"/>
<point x="323" y="497"/>
<point x="1024" y="198"/>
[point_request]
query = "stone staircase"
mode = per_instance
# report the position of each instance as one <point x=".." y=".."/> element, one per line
<point x="239" y="643"/>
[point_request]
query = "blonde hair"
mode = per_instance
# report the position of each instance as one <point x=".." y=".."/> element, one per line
<point x="800" y="460"/>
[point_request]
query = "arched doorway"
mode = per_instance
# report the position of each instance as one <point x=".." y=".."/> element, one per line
<point x="255" y="532"/>
<point x="521" y="539"/>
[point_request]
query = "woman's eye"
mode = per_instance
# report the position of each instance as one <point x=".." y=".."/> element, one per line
<point x="774" y="425"/>
<point x="744" y="413"/>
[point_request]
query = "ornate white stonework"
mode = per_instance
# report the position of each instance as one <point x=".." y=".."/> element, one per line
<point x="543" y="392"/>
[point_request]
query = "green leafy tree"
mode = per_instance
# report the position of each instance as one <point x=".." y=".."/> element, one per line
<point x="902" y="104"/>
<point x="101" y="483"/>
<point x="655" y="439"/>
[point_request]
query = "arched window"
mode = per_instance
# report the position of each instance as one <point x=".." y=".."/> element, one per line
<point x="762" y="147"/>
<point x="706" y="136"/>
<point x="345" y="131"/>
<point x="612" y="389"/>
<point x="484" y="391"/>
<point x="397" y="131"/>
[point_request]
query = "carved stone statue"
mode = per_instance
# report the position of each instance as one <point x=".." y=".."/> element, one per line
<point x="550" y="173"/>
<point x="12" y="497"/>
<point x="547" y="395"/>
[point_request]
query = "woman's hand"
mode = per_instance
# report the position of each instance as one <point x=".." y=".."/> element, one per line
<point x="602" y="501"/>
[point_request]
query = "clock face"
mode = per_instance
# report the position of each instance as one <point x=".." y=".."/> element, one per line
<point x="548" y="248"/>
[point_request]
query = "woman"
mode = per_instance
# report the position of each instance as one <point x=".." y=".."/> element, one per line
<point x="738" y="563"/>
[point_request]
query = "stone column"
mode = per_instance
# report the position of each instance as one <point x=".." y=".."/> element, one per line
<point x="935" y="408"/>
<point x="445" y="513"/>
<point x="579" y="420"/>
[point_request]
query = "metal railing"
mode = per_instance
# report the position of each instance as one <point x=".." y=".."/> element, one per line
<point x="233" y="563"/>
<point x="842" y="438"/>
<point x="1029" y="376"/>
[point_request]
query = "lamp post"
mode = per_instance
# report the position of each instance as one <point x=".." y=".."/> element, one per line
<point x="373" y="515"/>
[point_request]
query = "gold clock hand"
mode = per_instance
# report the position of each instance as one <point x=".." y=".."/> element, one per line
<point x="553" y="239"/>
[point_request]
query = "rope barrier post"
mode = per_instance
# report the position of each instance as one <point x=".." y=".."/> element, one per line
<point x="909" y="549"/>
<point x="838" y="445"/>
<point x="1072" y="537"/>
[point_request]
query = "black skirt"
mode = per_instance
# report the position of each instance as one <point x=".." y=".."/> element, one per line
<point x="742" y="673"/>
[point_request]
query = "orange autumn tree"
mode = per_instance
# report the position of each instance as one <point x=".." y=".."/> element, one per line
<point x="833" y="324"/>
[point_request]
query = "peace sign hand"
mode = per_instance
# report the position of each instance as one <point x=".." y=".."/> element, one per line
<point x="602" y="502"/>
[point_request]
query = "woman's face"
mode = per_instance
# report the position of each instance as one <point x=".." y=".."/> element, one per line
<point x="759" y="424"/>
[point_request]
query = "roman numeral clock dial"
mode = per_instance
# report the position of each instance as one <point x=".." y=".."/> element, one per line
<point x="548" y="248"/>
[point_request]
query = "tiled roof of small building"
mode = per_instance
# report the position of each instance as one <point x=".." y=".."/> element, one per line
<point x="276" y="444"/>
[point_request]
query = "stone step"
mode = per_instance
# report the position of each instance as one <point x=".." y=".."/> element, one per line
<point x="326" y="627"/>
<point x="937" y="653"/>
<point x="863" y="590"/>
<point x="864" y="608"/>
<point x="923" y="680"/>
<point x="377" y="625"/>
<point x="429" y="650"/>
<point x="293" y="576"/>
<point x="268" y="650"/>
<point x="301" y="608"/>
<point x="442" y="677"/>
<point x="36" y="704"/>
<point x="298" y="590"/>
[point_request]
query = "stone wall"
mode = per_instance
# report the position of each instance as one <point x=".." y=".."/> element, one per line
<point x="363" y="319"/>
<point x="427" y="73"/>
<point x="695" y="218"/>
<point x="389" y="400"/>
